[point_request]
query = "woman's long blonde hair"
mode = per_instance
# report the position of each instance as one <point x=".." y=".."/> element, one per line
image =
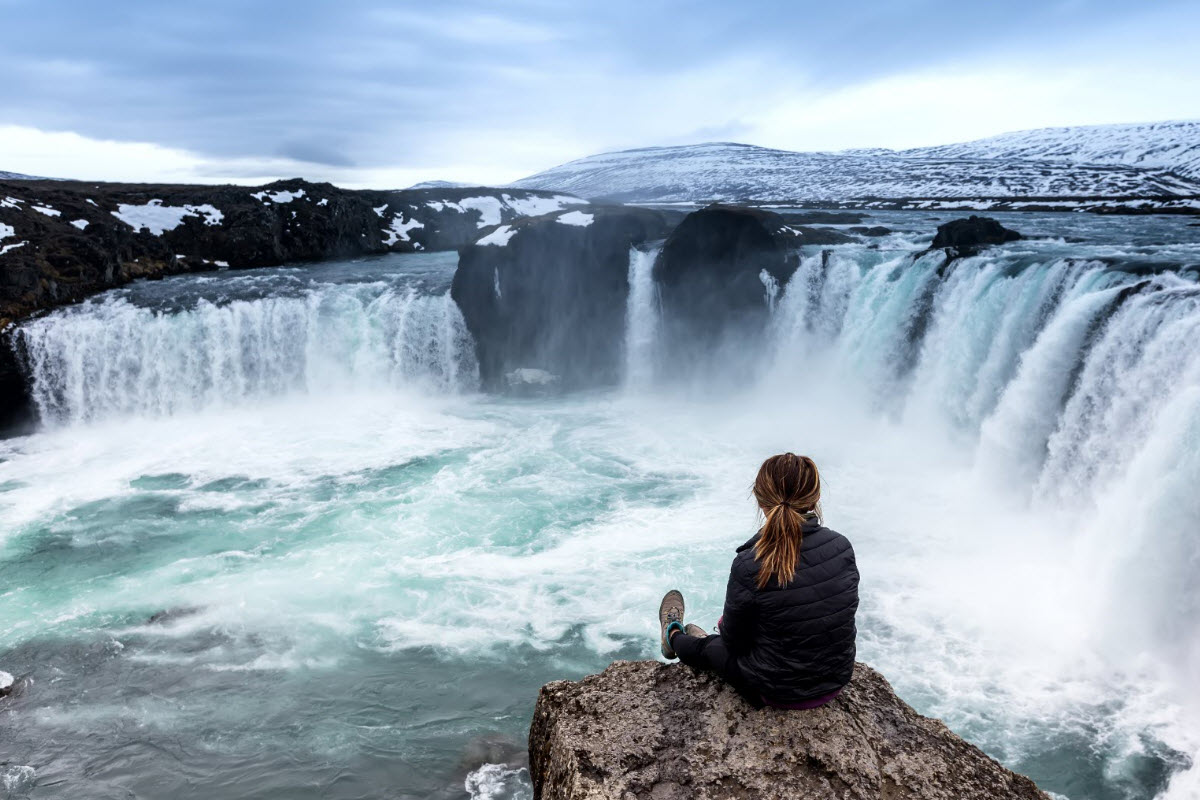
<point x="787" y="488"/>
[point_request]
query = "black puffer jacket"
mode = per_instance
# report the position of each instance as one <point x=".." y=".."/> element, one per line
<point x="795" y="642"/>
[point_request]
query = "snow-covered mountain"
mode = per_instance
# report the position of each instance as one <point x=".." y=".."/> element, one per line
<point x="16" y="176"/>
<point x="441" y="185"/>
<point x="1097" y="161"/>
<point x="1173" y="146"/>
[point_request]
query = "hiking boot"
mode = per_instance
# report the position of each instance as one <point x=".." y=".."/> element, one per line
<point x="692" y="629"/>
<point x="670" y="617"/>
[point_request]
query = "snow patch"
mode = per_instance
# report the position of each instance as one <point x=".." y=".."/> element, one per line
<point x="324" y="201"/>
<point x="282" y="196"/>
<point x="47" y="210"/>
<point x="398" y="231"/>
<point x="498" y="237"/>
<point x="577" y="218"/>
<point x="158" y="219"/>
<point x="489" y="209"/>
<point x="11" y="202"/>
<point x="535" y="206"/>
<point x="79" y="223"/>
<point x="5" y="232"/>
<point x="381" y="209"/>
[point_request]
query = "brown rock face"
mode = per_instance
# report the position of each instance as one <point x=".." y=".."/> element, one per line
<point x="646" y="730"/>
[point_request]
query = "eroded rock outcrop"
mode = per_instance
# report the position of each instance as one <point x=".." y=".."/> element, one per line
<point x="61" y="241"/>
<point x="717" y="275"/>
<point x="967" y="235"/>
<point x="544" y="298"/>
<point x="647" y="730"/>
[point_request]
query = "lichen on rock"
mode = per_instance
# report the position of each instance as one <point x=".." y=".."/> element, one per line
<point x="641" y="729"/>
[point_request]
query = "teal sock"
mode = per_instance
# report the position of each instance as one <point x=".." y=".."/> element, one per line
<point x="673" y="626"/>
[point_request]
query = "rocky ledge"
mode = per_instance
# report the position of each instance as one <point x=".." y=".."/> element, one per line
<point x="61" y="241"/>
<point x="646" y="730"/>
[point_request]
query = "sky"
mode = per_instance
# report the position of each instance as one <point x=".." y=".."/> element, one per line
<point x="365" y="93"/>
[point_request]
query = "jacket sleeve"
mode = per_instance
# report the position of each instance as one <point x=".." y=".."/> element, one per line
<point x="738" y="622"/>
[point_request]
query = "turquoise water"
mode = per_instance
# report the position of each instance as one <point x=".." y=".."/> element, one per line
<point x="367" y="568"/>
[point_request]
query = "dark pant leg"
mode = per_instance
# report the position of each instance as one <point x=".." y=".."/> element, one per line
<point x="710" y="654"/>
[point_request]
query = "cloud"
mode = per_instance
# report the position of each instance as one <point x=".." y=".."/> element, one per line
<point x="60" y="154"/>
<point x="364" y="91"/>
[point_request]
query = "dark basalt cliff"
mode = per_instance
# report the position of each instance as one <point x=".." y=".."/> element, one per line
<point x="61" y="241"/>
<point x="546" y="296"/>
<point x="967" y="235"/>
<point x="717" y="275"/>
<point x="646" y="730"/>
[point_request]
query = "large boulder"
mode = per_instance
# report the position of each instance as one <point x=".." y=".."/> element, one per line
<point x="967" y="235"/>
<point x="545" y="297"/>
<point x="717" y="274"/>
<point x="641" y="729"/>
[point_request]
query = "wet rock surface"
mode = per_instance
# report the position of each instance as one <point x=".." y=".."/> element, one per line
<point x="967" y="235"/>
<point x="61" y="241"/>
<point x="717" y="275"/>
<point x="641" y="729"/>
<point x="544" y="298"/>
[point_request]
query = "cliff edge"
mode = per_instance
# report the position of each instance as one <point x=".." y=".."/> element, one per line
<point x="641" y="729"/>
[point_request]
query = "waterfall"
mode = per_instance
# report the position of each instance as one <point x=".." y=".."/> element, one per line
<point x="641" y="318"/>
<point x="1072" y="381"/>
<point x="1057" y="367"/>
<point x="111" y="357"/>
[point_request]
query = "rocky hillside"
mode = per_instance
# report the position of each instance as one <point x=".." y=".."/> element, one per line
<point x="1084" y="164"/>
<point x="1172" y="146"/>
<point x="63" y="240"/>
<point x="641" y="729"/>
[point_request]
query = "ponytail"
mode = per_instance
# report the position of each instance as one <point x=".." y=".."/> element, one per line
<point x="788" y="489"/>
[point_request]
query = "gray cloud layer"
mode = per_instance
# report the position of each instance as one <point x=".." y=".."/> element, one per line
<point x="362" y="84"/>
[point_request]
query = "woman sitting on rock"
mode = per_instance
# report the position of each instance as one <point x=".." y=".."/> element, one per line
<point x="787" y="635"/>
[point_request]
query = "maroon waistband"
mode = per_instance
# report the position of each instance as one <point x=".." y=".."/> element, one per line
<point x="816" y="702"/>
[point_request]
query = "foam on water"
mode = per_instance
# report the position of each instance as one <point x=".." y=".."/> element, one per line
<point x="370" y="569"/>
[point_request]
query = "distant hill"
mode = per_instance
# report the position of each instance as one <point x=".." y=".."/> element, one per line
<point x="16" y="176"/>
<point x="442" y="185"/>
<point x="1172" y="146"/>
<point x="1110" y="161"/>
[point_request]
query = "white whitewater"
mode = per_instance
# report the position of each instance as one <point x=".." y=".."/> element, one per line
<point x="111" y="357"/>
<point x="641" y="319"/>
<point x="1012" y="440"/>
<point x="1071" y="382"/>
